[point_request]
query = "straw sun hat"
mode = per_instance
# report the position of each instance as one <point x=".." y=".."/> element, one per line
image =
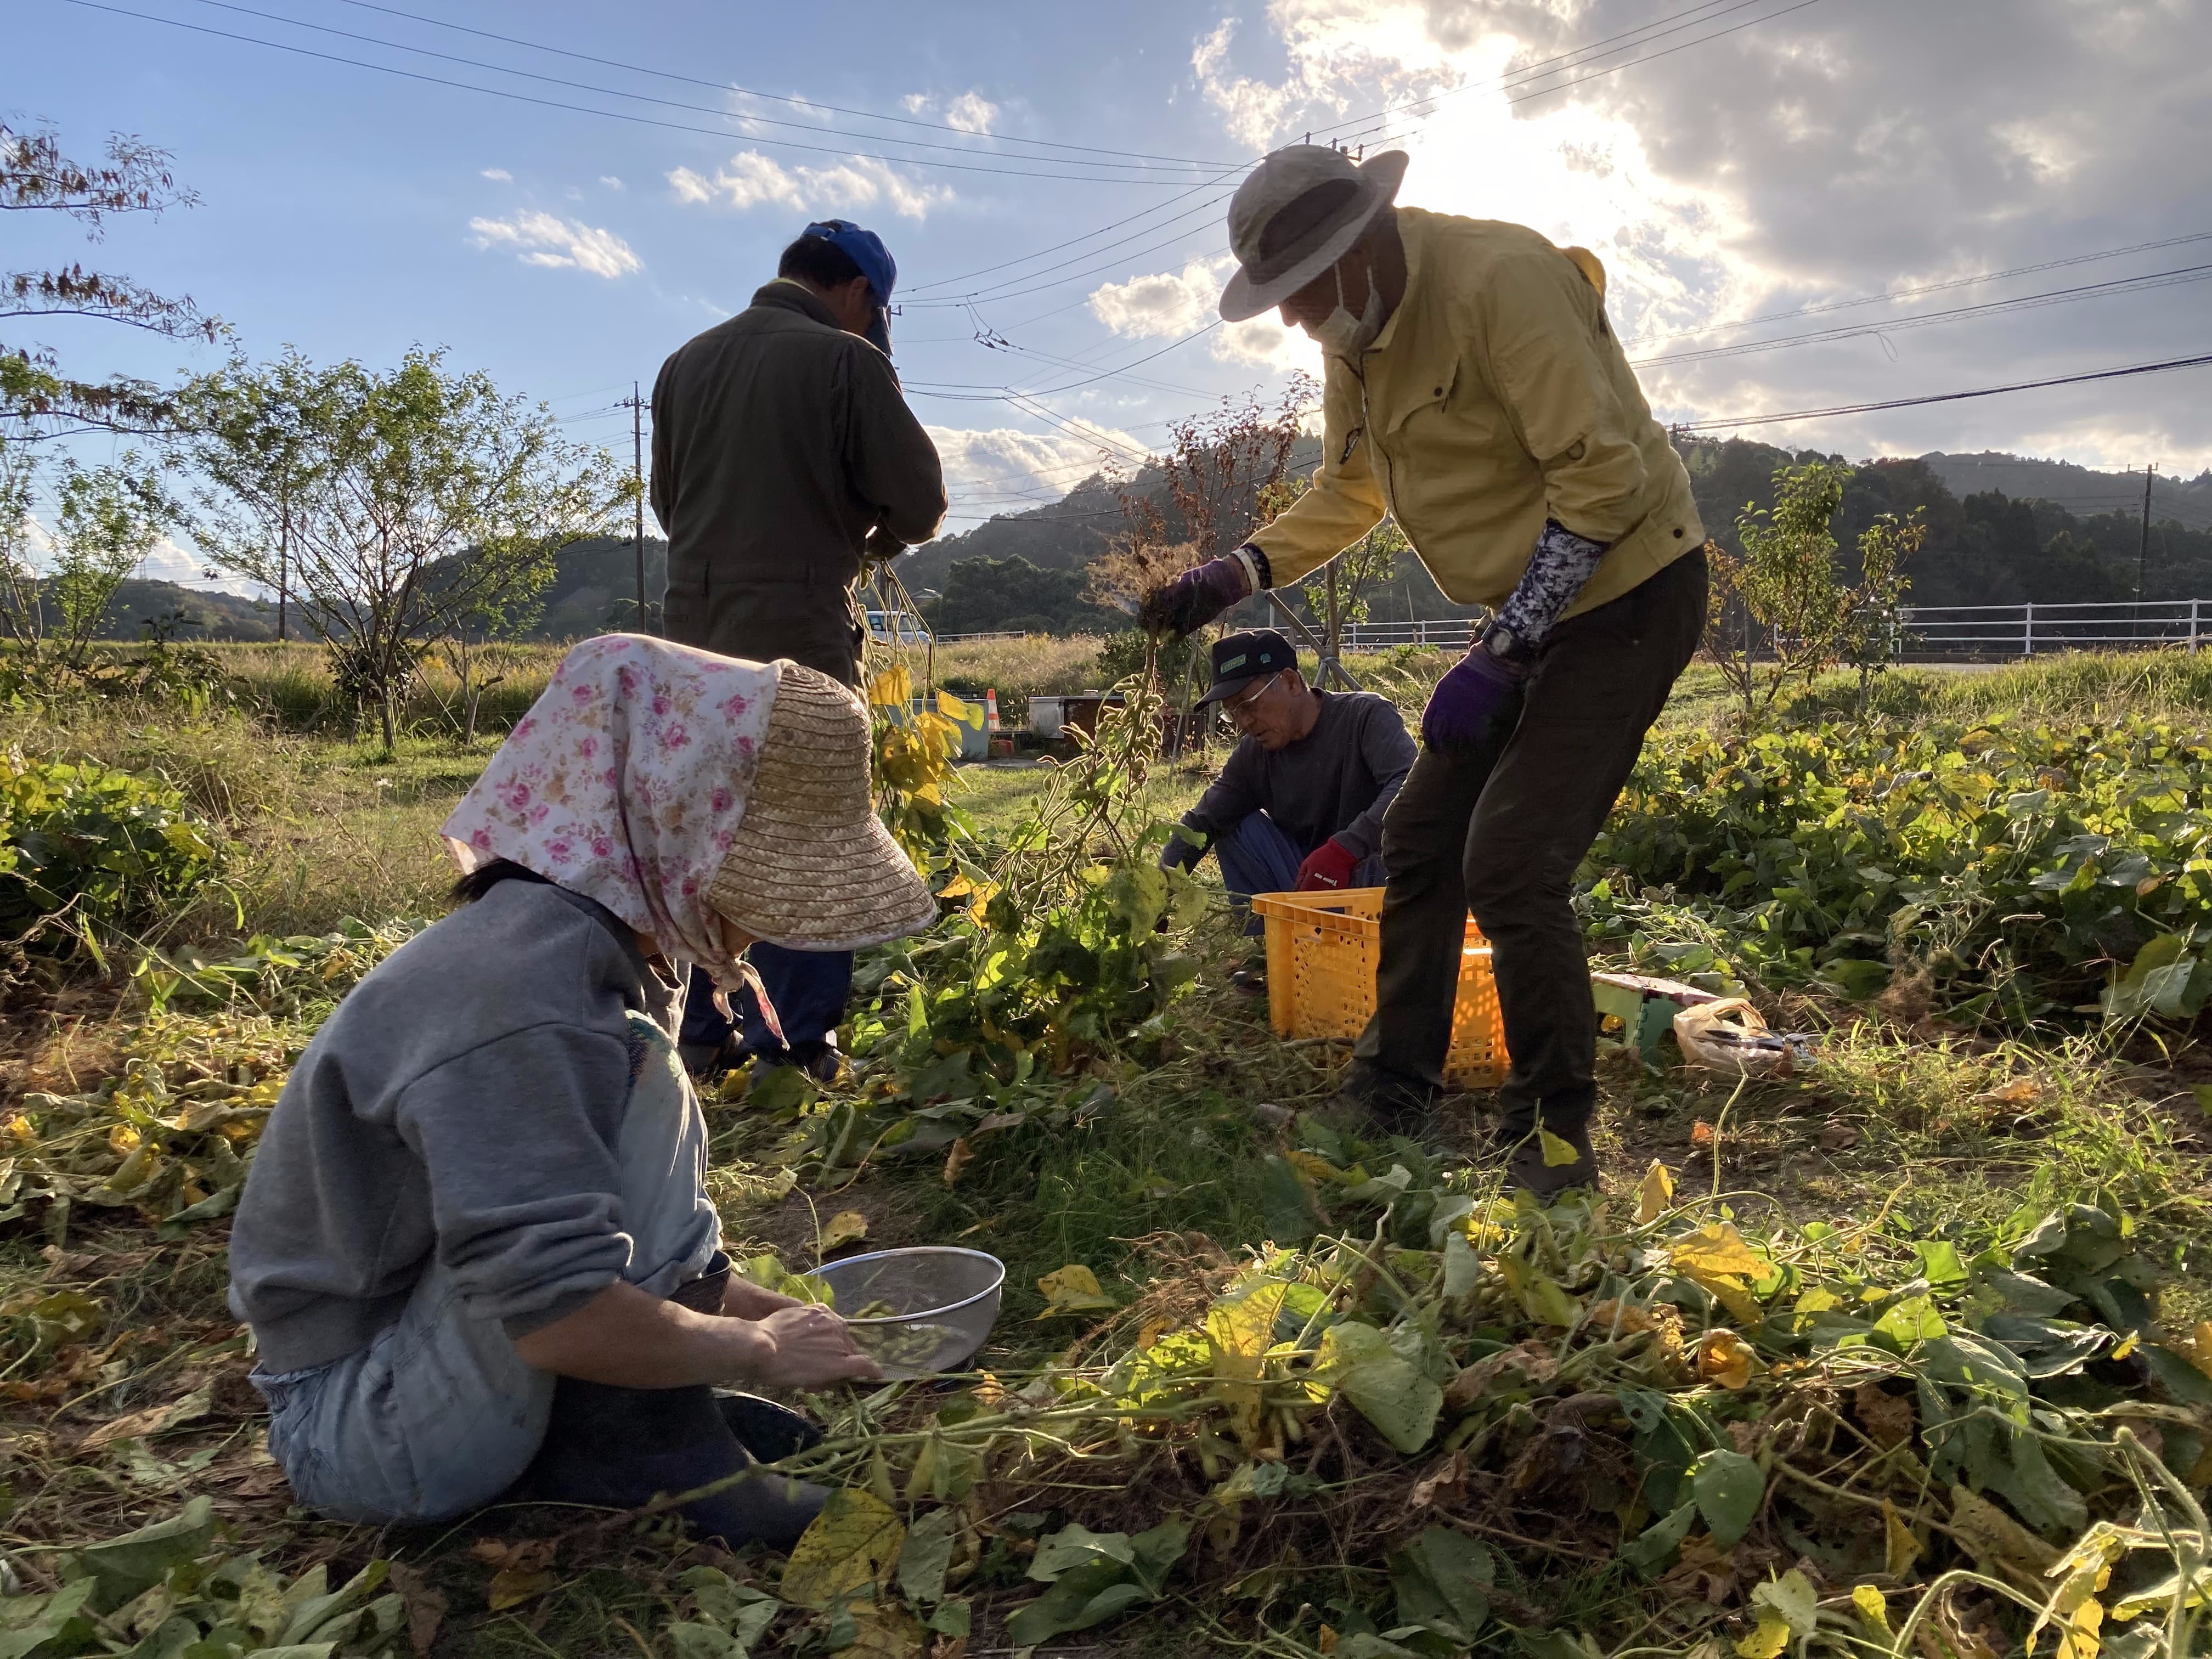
<point x="813" y="867"/>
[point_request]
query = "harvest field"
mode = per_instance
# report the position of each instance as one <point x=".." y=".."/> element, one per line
<point x="1907" y="1353"/>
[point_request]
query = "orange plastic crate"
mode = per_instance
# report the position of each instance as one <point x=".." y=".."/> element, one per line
<point x="1322" y="949"/>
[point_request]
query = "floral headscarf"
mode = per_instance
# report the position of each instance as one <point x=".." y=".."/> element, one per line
<point x="626" y="782"/>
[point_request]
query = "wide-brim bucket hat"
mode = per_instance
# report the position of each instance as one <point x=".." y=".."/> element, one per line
<point x="811" y="866"/>
<point x="1296" y="213"/>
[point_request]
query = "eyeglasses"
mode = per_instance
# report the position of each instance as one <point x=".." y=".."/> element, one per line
<point x="1238" y="707"/>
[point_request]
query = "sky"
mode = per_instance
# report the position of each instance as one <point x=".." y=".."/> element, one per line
<point x="1802" y="204"/>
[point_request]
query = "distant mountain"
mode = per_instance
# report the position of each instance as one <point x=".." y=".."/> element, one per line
<point x="205" y="616"/>
<point x="2078" y="489"/>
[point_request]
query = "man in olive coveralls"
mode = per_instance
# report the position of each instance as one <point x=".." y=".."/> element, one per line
<point x="1475" y="391"/>
<point x="785" y="459"/>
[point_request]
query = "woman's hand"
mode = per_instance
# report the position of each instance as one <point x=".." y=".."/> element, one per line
<point x="813" y="1348"/>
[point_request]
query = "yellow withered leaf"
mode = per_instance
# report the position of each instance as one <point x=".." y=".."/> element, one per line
<point x="855" y="1540"/>
<point x="1073" y="1289"/>
<point x="1768" y="1640"/>
<point x="1872" y="1607"/>
<point x="1901" y="1549"/>
<point x="1654" y="1193"/>
<point x="1726" y="1358"/>
<point x="1557" y="1152"/>
<point x="845" y="1227"/>
<point x="1717" y="1248"/>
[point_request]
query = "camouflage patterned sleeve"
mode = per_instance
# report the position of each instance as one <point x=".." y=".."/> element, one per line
<point x="1558" y="571"/>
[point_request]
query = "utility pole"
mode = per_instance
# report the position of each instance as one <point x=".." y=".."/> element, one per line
<point x="2143" y="551"/>
<point x="637" y="482"/>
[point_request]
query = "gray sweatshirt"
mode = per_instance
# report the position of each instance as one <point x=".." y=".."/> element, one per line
<point x="1338" y="780"/>
<point x="466" y="1099"/>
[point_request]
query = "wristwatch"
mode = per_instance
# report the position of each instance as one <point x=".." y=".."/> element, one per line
<point x="1503" y="643"/>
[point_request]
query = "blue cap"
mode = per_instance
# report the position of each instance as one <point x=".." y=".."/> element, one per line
<point x="865" y="249"/>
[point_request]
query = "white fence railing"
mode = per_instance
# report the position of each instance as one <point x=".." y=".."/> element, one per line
<point x="2028" y="630"/>
<point x="1952" y="631"/>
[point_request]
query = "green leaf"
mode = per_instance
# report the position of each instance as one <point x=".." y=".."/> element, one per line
<point x="951" y="1617"/>
<point x="1728" y="1487"/>
<point x="1077" y="1545"/>
<point x="58" y="1620"/>
<point x="1652" y="1551"/>
<point x="1462" y="1267"/>
<point x="1442" y="1581"/>
<point x="925" y="1557"/>
<point x="1389" y="1392"/>
<point x="1792" y="1596"/>
<point x="122" y="1567"/>
<point x="1087" y="1596"/>
<point x="1940" y="1264"/>
<point x="1292" y="1212"/>
<point x="2024" y="1293"/>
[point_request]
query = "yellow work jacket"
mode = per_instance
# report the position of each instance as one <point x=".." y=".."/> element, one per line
<point x="1497" y="395"/>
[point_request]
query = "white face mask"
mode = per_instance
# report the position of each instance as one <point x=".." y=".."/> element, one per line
<point x="1340" y="334"/>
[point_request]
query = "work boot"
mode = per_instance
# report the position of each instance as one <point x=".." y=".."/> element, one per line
<point x="617" y="1448"/>
<point x="708" y="1061"/>
<point x="1526" y="1168"/>
<point x="1371" y="1101"/>
<point x="819" y="1060"/>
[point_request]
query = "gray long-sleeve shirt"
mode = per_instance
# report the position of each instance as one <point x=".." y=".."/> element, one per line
<point x="1338" y="780"/>
<point x="466" y="1099"/>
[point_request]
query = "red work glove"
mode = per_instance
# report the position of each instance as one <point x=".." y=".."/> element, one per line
<point x="1329" y="865"/>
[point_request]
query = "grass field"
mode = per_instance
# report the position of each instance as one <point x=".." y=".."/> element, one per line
<point x="121" y="1377"/>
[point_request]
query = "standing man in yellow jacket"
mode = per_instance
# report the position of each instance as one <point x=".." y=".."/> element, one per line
<point x="1475" y="391"/>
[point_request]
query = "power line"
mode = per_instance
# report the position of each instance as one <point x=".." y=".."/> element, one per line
<point x="798" y="102"/>
<point x="1915" y="292"/>
<point x="1940" y="398"/>
<point x="671" y="103"/>
<point x="2116" y="286"/>
<point x="619" y="115"/>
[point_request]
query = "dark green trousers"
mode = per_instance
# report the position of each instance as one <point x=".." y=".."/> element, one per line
<point x="1501" y="831"/>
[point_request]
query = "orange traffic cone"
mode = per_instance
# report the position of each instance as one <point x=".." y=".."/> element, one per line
<point x="991" y="709"/>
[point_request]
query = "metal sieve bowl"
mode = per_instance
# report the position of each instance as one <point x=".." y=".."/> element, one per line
<point x="944" y="1300"/>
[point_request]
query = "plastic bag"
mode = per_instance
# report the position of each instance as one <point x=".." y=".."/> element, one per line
<point x="1730" y="1036"/>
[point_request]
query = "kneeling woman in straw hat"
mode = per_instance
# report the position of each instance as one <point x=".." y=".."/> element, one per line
<point x="475" y="1248"/>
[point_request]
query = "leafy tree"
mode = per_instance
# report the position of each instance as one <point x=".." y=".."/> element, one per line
<point x="107" y="521"/>
<point x="411" y="503"/>
<point x="36" y="397"/>
<point x="1784" y="608"/>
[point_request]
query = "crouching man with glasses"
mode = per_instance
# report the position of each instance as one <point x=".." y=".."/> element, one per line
<point x="1299" y="803"/>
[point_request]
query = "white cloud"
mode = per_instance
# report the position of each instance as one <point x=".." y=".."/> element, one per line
<point x="1003" y="469"/>
<point x="970" y="111"/>
<point x="1824" y="155"/>
<point x="1167" y="305"/>
<point x="750" y="180"/>
<point x="542" y="239"/>
<point x="1162" y="304"/>
<point x="497" y="175"/>
<point x="611" y="181"/>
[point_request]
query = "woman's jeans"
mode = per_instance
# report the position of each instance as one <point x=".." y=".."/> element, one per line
<point x="438" y="1415"/>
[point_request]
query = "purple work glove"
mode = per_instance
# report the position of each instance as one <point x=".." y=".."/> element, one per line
<point x="1196" y="598"/>
<point x="1467" y="700"/>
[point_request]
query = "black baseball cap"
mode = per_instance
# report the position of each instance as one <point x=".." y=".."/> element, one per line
<point x="1241" y="660"/>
